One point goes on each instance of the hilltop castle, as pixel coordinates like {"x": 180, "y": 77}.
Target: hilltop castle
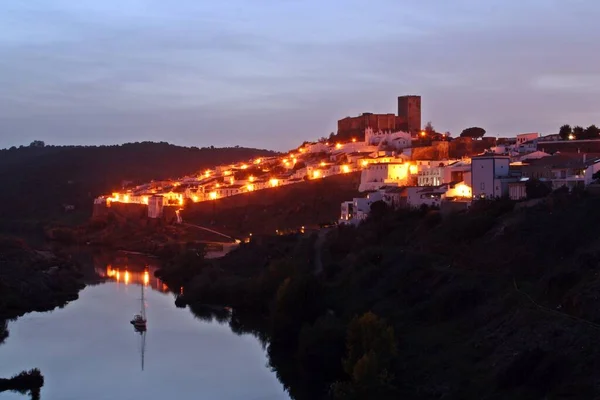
{"x": 407, "y": 120}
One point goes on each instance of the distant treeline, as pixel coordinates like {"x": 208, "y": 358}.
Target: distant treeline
{"x": 38, "y": 180}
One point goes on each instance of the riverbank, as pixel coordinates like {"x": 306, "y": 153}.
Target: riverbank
{"x": 32, "y": 280}
{"x": 410, "y": 304}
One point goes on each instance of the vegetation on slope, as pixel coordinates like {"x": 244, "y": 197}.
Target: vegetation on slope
{"x": 492, "y": 303}
{"x": 34, "y": 281}
{"x": 39, "y": 180}
{"x": 289, "y": 207}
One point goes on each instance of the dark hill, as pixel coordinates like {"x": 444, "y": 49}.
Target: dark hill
{"x": 493, "y": 303}
{"x": 310, "y": 204}
{"x": 38, "y": 180}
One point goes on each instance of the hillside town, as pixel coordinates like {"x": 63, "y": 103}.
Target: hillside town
{"x": 400, "y": 163}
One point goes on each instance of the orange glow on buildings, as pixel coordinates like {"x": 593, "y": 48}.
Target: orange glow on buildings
{"x": 338, "y": 145}
{"x": 353, "y": 140}
{"x": 244, "y": 166}
{"x": 127, "y": 277}
{"x": 146, "y": 278}
{"x": 316, "y": 174}
{"x": 322, "y": 164}
{"x": 207, "y": 173}
{"x": 195, "y": 199}
{"x": 231, "y": 180}
{"x": 423, "y": 133}
{"x": 463, "y": 190}
{"x": 250, "y": 187}
{"x": 257, "y": 161}
{"x": 212, "y": 195}
{"x": 251, "y": 178}
{"x": 413, "y": 169}
{"x": 364, "y": 163}
{"x": 345, "y": 169}
{"x": 274, "y": 182}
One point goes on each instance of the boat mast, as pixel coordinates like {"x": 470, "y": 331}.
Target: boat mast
{"x": 143, "y": 309}
{"x": 143, "y": 348}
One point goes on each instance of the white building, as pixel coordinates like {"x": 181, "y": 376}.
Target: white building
{"x": 317, "y": 147}
{"x": 374, "y": 176}
{"x": 399, "y": 140}
{"x": 352, "y": 212}
{"x": 534, "y": 155}
{"x": 490, "y": 175}
{"x": 418, "y": 196}
{"x": 155, "y": 206}
{"x": 458, "y": 171}
{"x": 527, "y": 137}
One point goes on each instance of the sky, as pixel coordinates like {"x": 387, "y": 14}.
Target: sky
{"x": 273, "y": 73}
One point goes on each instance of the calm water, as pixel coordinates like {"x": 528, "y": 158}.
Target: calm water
{"x": 89, "y": 350}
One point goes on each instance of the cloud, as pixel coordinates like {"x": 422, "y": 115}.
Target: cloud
{"x": 278, "y": 72}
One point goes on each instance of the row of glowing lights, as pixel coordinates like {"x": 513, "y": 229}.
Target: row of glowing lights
{"x": 112, "y": 273}
{"x": 273, "y": 182}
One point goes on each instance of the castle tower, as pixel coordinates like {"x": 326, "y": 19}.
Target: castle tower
{"x": 409, "y": 109}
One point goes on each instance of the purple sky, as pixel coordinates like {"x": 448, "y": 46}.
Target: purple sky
{"x": 272, "y": 73}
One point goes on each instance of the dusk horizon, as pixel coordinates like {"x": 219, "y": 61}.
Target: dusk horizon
{"x": 278, "y": 73}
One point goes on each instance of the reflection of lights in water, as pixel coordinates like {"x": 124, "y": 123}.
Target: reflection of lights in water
{"x": 135, "y": 277}
{"x": 110, "y": 272}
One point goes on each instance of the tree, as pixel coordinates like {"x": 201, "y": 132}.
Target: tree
{"x": 37, "y": 143}
{"x": 591, "y": 132}
{"x": 474, "y": 132}
{"x": 578, "y": 131}
{"x": 371, "y": 348}
{"x": 565, "y": 131}
{"x": 536, "y": 189}
{"x": 379, "y": 209}
{"x": 429, "y": 129}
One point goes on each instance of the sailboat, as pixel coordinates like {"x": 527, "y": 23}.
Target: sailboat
{"x": 139, "y": 320}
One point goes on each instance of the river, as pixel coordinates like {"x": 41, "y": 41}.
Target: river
{"x": 88, "y": 349}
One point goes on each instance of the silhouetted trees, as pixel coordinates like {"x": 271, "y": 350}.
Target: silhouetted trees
{"x": 37, "y": 180}
{"x": 473, "y": 132}
{"x": 578, "y": 132}
{"x": 429, "y": 129}
{"x": 371, "y": 348}
{"x": 565, "y": 132}
{"x": 536, "y": 189}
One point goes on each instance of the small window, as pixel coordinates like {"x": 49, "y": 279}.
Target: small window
{"x": 482, "y": 186}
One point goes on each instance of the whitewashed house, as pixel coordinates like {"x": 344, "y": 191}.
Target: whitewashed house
{"x": 374, "y": 176}
{"x": 490, "y": 175}
{"x": 418, "y": 196}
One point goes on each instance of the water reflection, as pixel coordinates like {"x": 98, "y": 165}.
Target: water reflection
{"x": 180, "y": 353}
{"x": 136, "y": 270}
